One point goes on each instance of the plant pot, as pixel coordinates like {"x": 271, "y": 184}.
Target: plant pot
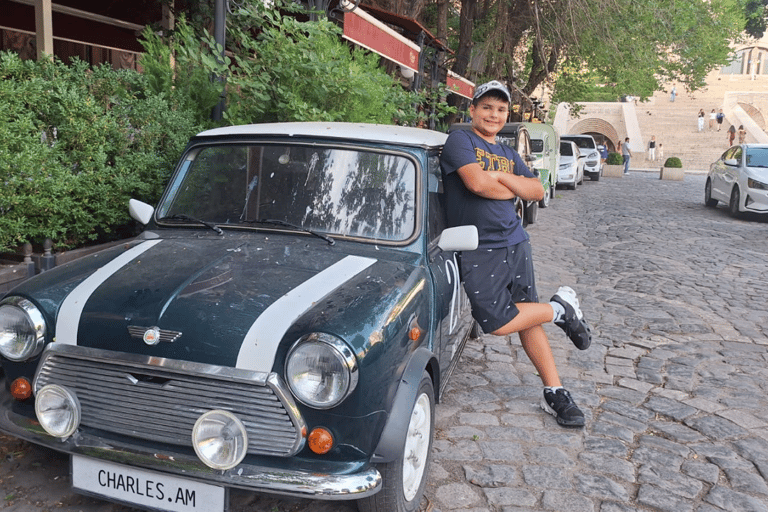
{"x": 671, "y": 173}
{"x": 613, "y": 171}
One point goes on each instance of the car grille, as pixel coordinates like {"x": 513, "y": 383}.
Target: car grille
{"x": 162, "y": 404}
{"x": 592, "y": 163}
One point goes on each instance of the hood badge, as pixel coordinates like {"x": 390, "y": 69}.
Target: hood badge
{"x": 153, "y": 335}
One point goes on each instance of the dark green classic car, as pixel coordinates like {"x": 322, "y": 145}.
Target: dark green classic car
{"x": 285, "y": 323}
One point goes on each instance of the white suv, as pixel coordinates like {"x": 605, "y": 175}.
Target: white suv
{"x": 593, "y": 166}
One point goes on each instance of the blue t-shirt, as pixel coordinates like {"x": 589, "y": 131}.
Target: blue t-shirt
{"x": 497, "y": 222}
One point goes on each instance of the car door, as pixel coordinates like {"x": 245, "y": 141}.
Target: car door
{"x": 452, "y": 312}
{"x": 722, "y": 180}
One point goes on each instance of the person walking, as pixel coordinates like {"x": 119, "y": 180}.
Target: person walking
{"x": 720, "y": 116}
{"x": 731, "y": 135}
{"x": 626, "y": 153}
{"x": 712, "y": 117}
{"x": 652, "y": 149}
{"x": 742, "y": 134}
{"x": 481, "y": 178}
{"x": 701, "y": 119}
{"x": 672, "y": 94}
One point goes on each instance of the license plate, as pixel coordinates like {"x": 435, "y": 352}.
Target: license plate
{"x": 157, "y": 491}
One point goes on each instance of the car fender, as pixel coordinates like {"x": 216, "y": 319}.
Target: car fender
{"x": 392, "y": 438}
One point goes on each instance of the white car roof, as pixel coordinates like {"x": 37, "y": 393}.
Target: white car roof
{"x": 391, "y": 134}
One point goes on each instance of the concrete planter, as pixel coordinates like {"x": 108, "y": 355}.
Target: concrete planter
{"x": 613, "y": 171}
{"x": 669, "y": 173}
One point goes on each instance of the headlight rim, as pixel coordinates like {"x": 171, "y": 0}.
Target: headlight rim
{"x": 347, "y": 357}
{"x": 241, "y": 428}
{"x": 37, "y": 322}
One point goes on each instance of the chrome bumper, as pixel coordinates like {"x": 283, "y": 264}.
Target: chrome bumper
{"x": 301, "y": 484}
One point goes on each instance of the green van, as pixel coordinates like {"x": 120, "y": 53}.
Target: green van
{"x": 545, "y": 148}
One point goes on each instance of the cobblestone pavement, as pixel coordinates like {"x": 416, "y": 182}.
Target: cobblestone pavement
{"x": 674, "y": 386}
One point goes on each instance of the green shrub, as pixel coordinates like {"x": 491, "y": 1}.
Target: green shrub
{"x": 614, "y": 159}
{"x": 673, "y": 163}
{"x": 75, "y": 144}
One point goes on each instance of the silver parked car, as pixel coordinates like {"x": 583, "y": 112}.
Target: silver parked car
{"x": 739, "y": 178}
{"x": 571, "y": 170}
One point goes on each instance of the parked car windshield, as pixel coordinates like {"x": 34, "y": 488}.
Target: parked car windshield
{"x": 583, "y": 142}
{"x": 757, "y": 157}
{"x": 346, "y": 192}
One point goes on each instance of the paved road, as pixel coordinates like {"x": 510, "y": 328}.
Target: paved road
{"x": 674, "y": 386}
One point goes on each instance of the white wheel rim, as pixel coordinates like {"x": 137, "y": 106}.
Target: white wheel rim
{"x": 416, "y": 447}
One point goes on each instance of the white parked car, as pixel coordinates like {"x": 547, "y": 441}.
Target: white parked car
{"x": 739, "y": 178}
{"x": 571, "y": 170}
{"x": 593, "y": 165}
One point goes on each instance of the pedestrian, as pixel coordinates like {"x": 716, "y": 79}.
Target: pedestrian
{"x": 672, "y": 94}
{"x": 742, "y": 134}
{"x": 731, "y": 135}
{"x": 652, "y": 149}
{"x": 712, "y": 117}
{"x": 626, "y": 153}
{"x": 480, "y": 179}
{"x": 701, "y": 119}
{"x": 720, "y": 116}
{"x": 661, "y": 152}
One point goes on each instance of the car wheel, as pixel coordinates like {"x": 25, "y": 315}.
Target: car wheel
{"x": 544, "y": 203}
{"x": 733, "y": 205}
{"x": 596, "y": 176}
{"x": 531, "y": 212}
{"x": 573, "y": 186}
{"x": 708, "y": 200}
{"x": 404, "y": 479}
{"x": 474, "y": 331}
{"x": 520, "y": 211}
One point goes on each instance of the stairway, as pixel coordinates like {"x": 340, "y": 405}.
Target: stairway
{"x": 675, "y": 123}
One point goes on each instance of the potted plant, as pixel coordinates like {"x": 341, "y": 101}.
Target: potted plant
{"x": 614, "y": 166}
{"x": 672, "y": 169}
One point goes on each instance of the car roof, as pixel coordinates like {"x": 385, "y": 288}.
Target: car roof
{"x": 577, "y": 135}
{"x": 363, "y": 132}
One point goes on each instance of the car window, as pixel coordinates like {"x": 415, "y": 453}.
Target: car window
{"x": 737, "y": 153}
{"x": 729, "y": 154}
{"x": 348, "y": 192}
{"x": 566, "y": 149}
{"x": 436, "y": 221}
{"x": 583, "y": 142}
{"x": 537, "y": 145}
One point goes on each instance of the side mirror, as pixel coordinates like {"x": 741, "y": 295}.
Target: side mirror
{"x": 140, "y": 211}
{"x": 460, "y": 238}
{"x": 732, "y": 162}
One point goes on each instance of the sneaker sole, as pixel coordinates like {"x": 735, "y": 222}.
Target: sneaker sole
{"x": 573, "y": 424}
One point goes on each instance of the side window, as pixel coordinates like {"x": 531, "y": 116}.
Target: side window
{"x": 729, "y": 154}
{"x": 737, "y": 153}
{"x": 436, "y": 221}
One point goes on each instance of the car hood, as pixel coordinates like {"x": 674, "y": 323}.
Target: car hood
{"x": 226, "y": 301}
{"x": 567, "y": 159}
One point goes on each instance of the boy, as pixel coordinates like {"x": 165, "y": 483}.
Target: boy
{"x": 481, "y": 179}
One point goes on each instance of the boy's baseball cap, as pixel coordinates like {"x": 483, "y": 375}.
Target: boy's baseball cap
{"x": 493, "y": 85}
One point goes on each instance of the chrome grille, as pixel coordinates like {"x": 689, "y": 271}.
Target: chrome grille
{"x": 162, "y": 404}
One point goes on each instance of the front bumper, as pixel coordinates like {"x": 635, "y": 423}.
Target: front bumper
{"x": 592, "y": 169}
{"x": 356, "y": 484}
{"x": 756, "y": 200}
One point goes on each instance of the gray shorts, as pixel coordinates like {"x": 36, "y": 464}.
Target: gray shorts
{"x": 495, "y": 280}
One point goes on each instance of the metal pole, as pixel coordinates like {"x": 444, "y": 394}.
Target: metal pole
{"x": 220, "y": 35}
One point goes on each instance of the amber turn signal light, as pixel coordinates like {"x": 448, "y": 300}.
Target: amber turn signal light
{"x": 320, "y": 441}
{"x": 21, "y": 389}
{"x": 414, "y": 334}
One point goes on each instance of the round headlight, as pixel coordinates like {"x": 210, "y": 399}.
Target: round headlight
{"x": 22, "y": 329}
{"x": 321, "y": 370}
{"x": 219, "y": 439}
{"x": 58, "y": 410}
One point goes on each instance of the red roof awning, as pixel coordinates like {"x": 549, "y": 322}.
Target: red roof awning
{"x": 363, "y": 29}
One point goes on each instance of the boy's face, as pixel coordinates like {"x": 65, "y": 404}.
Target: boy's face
{"x": 489, "y": 116}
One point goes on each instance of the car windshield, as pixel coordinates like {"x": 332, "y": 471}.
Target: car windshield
{"x": 347, "y": 192}
{"x": 566, "y": 149}
{"x": 583, "y": 142}
{"x": 757, "y": 157}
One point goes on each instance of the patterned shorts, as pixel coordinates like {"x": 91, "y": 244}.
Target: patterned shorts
{"x": 497, "y": 279}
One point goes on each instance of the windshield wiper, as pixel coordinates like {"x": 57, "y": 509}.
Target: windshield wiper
{"x": 181, "y": 216}
{"x": 277, "y": 222}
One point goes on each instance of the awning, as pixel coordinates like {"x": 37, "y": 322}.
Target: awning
{"x": 364, "y": 30}
{"x": 457, "y": 84}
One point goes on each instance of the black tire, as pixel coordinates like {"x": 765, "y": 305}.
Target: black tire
{"x": 733, "y": 204}
{"x": 708, "y": 200}
{"x": 474, "y": 331}
{"x": 392, "y": 496}
{"x": 520, "y": 211}
{"x": 531, "y": 212}
{"x": 548, "y": 195}
{"x": 596, "y": 176}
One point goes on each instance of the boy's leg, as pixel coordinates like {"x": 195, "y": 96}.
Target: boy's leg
{"x": 536, "y": 345}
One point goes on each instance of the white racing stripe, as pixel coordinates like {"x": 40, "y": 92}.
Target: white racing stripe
{"x": 260, "y": 344}
{"x": 68, "y": 319}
